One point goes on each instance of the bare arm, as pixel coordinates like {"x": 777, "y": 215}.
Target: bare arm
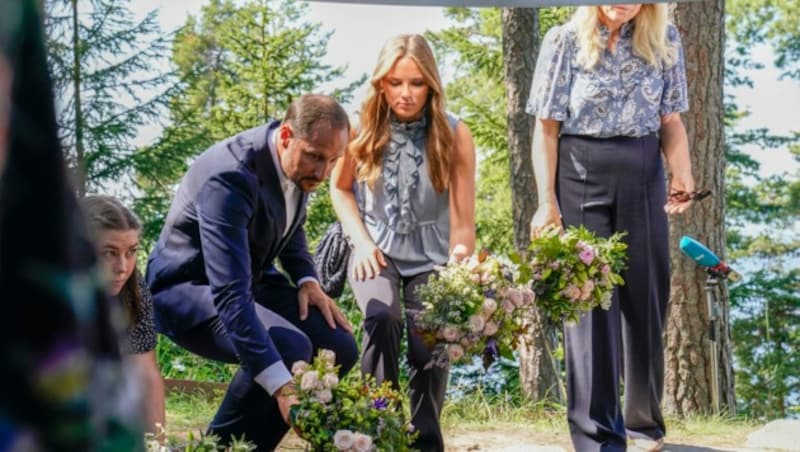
{"x": 462, "y": 195}
{"x": 368, "y": 258}
{"x": 675, "y": 146}
{"x": 153, "y": 384}
{"x": 544, "y": 154}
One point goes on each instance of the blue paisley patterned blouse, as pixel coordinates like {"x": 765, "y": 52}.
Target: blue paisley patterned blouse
{"x": 621, "y": 96}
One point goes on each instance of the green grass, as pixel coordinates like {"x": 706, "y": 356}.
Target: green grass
{"x": 479, "y": 419}
{"x": 710, "y": 430}
{"x": 190, "y": 412}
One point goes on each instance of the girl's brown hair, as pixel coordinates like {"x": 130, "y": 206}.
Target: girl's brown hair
{"x": 107, "y": 213}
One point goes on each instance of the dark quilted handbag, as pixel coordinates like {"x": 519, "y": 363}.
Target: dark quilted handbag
{"x": 330, "y": 260}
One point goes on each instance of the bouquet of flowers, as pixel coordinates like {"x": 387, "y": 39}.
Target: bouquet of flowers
{"x": 473, "y": 307}
{"x": 354, "y": 414}
{"x": 574, "y": 272}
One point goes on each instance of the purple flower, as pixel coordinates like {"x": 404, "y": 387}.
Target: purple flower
{"x": 491, "y": 348}
{"x": 605, "y": 269}
{"x": 380, "y": 403}
{"x": 587, "y": 255}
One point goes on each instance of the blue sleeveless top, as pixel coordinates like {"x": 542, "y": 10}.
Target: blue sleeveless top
{"x": 403, "y": 213}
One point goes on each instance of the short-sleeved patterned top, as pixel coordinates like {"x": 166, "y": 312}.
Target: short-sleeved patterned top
{"x": 621, "y": 96}
{"x": 141, "y": 336}
{"x": 405, "y": 216}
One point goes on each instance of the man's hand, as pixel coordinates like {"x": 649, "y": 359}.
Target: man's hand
{"x": 286, "y": 398}
{"x": 311, "y": 294}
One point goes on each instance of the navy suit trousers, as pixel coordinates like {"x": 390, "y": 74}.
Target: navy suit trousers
{"x": 247, "y": 409}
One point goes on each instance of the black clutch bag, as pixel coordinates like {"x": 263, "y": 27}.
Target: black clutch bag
{"x": 330, "y": 260}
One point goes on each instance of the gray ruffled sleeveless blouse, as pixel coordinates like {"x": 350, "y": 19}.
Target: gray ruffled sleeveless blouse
{"x": 404, "y": 214}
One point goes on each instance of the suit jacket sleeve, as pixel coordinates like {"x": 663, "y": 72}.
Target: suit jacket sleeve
{"x": 295, "y": 257}
{"x": 224, "y": 208}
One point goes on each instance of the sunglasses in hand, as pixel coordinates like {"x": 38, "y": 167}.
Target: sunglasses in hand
{"x": 682, "y": 196}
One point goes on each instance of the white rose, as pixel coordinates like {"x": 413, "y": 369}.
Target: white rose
{"x": 362, "y": 442}
{"x": 330, "y": 380}
{"x": 323, "y": 395}
{"x": 490, "y": 328}
{"x": 605, "y": 301}
{"x": 515, "y": 296}
{"x": 476, "y": 323}
{"x": 450, "y": 333}
{"x": 472, "y": 263}
{"x": 299, "y": 367}
{"x": 528, "y": 296}
{"x": 455, "y": 352}
{"x": 489, "y": 306}
{"x": 309, "y": 381}
{"x": 327, "y": 356}
{"x": 343, "y": 439}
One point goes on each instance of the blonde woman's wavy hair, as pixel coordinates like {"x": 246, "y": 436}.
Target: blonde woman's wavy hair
{"x": 649, "y": 35}
{"x": 367, "y": 147}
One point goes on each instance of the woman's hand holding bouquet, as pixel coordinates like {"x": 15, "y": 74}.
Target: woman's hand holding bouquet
{"x": 479, "y": 305}
{"x": 574, "y": 272}
{"x": 473, "y": 307}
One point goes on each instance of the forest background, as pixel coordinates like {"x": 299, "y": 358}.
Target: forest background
{"x": 142, "y": 89}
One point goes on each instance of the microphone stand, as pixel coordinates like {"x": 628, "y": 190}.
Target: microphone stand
{"x": 712, "y": 304}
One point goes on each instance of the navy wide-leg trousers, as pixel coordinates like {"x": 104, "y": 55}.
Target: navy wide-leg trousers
{"x": 612, "y": 185}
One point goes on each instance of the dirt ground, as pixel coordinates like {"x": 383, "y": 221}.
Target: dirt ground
{"x": 513, "y": 438}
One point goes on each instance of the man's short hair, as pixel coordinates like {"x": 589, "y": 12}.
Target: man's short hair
{"x": 310, "y": 109}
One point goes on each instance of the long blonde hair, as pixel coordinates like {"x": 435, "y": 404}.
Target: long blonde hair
{"x": 367, "y": 147}
{"x": 649, "y": 35}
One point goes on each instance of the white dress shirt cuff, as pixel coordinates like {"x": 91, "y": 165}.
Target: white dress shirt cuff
{"x": 273, "y": 377}
{"x": 306, "y": 279}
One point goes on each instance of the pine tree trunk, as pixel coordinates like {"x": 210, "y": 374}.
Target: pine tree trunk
{"x": 80, "y": 155}
{"x": 688, "y": 366}
{"x": 538, "y": 369}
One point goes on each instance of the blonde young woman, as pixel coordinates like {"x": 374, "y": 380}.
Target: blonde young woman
{"x": 607, "y": 94}
{"x": 412, "y": 169}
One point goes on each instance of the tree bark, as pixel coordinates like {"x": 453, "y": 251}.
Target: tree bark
{"x": 80, "y": 154}
{"x": 688, "y": 366}
{"x": 538, "y": 368}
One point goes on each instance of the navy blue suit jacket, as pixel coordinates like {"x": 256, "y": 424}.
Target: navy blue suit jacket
{"x": 223, "y": 231}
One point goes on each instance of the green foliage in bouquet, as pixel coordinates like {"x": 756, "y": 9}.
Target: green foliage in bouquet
{"x": 200, "y": 443}
{"x": 574, "y": 271}
{"x": 354, "y": 414}
{"x": 473, "y": 308}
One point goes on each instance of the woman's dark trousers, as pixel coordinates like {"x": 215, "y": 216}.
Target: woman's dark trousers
{"x": 617, "y": 185}
{"x": 382, "y": 300}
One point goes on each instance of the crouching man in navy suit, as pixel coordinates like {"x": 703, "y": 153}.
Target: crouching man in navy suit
{"x": 241, "y": 205}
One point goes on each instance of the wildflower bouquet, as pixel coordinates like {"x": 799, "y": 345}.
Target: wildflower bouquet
{"x": 574, "y": 272}
{"x": 354, "y": 414}
{"x": 473, "y": 307}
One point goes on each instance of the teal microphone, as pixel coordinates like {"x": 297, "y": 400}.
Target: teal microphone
{"x": 706, "y": 258}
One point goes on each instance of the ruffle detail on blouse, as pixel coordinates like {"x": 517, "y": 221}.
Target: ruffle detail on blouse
{"x": 402, "y": 159}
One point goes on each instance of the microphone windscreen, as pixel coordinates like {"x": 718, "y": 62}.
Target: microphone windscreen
{"x": 698, "y": 252}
